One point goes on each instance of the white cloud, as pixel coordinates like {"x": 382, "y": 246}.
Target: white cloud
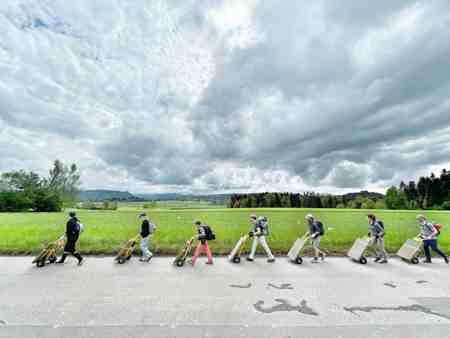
{"x": 226, "y": 95}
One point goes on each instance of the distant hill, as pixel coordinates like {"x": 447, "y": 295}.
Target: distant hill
{"x": 365, "y": 194}
{"x": 217, "y": 199}
{"x": 103, "y": 195}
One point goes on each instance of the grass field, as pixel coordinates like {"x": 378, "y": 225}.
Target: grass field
{"x": 26, "y": 233}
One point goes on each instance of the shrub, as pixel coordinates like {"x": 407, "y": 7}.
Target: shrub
{"x": 12, "y": 201}
{"x": 446, "y": 205}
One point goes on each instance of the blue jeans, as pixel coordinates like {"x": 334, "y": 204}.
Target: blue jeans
{"x": 427, "y": 243}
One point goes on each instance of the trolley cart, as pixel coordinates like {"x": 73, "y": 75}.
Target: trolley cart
{"x": 181, "y": 258}
{"x": 294, "y": 253}
{"x": 126, "y": 252}
{"x": 410, "y": 250}
{"x": 356, "y": 252}
{"x": 235, "y": 254}
{"x": 49, "y": 254}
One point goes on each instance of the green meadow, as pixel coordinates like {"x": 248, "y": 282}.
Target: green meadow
{"x": 106, "y": 231}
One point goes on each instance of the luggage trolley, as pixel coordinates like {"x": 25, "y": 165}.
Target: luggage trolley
{"x": 410, "y": 250}
{"x": 294, "y": 253}
{"x": 356, "y": 252}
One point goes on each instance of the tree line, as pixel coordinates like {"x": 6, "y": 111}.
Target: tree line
{"x": 27, "y": 191}
{"x": 430, "y": 192}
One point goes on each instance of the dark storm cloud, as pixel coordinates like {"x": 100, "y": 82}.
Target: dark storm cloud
{"x": 352, "y": 107}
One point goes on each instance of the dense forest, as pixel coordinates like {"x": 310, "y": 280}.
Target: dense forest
{"x": 431, "y": 192}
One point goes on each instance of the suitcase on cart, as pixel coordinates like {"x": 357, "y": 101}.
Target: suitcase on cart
{"x": 410, "y": 250}
{"x": 356, "y": 252}
{"x": 294, "y": 252}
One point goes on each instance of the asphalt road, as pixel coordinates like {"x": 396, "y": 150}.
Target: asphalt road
{"x": 338, "y": 298}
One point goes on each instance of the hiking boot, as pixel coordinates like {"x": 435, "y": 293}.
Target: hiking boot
{"x": 250, "y": 259}
{"x": 271, "y": 260}
{"x": 62, "y": 259}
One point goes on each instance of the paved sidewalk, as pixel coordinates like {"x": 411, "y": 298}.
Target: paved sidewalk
{"x": 338, "y": 298}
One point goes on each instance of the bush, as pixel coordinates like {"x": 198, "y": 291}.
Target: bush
{"x": 46, "y": 201}
{"x": 446, "y": 205}
{"x": 12, "y": 201}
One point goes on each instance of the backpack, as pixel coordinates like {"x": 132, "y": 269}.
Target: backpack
{"x": 264, "y": 225}
{"x": 321, "y": 228}
{"x": 209, "y": 234}
{"x": 438, "y": 227}
{"x": 79, "y": 228}
{"x": 381, "y": 223}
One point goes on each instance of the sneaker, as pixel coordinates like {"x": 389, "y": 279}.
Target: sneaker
{"x": 384, "y": 261}
{"x": 376, "y": 260}
{"x": 191, "y": 262}
{"x": 250, "y": 259}
{"x": 80, "y": 261}
{"x": 322, "y": 256}
{"x": 315, "y": 260}
{"x": 142, "y": 259}
{"x": 209, "y": 263}
{"x": 427, "y": 261}
{"x": 271, "y": 260}
{"x": 446, "y": 260}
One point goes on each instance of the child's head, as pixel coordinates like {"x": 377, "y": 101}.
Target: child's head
{"x": 143, "y": 216}
{"x": 253, "y": 218}
{"x": 197, "y": 223}
{"x": 421, "y": 219}
{"x": 309, "y": 218}
{"x": 371, "y": 218}
{"x": 72, "y": 214}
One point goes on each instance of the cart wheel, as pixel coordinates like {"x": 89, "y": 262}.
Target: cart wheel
{"x": 299, "y": 260}
{"x": 180, "y": 263}
{"x": 363, "y": 260}
{"x": 415, "y": 260}
{"x": 52, "y": 260}
{"x": 40, "y": 263}
{"x": 236, "y": 259}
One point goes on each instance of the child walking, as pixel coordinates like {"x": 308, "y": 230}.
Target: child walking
{"x": 429, "y": 234}
{"x": 259, "y": 232}
{"x": 376, "y": 234}
{"x": 204, "y": 234}
{"x": 147, "y": 230}
{"x": 73, "y": 230}
{"x": 316, "y": 231}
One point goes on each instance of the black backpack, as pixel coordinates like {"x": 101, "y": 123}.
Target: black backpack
{"x": 321, "y": 228}
{"x": 380, "y": 223}
{"x": 209, "y": 234}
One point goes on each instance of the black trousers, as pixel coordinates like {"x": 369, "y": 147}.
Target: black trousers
{"x": 71, "y": 243}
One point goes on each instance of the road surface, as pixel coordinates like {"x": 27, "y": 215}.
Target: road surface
{"x": 338, "y": 298}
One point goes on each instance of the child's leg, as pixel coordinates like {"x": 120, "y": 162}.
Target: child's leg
{"x": 197, "y": 252}
{"x": 208, "y": 252}
{"x": 144, "y": 247}
{"x": 263, "y": 242}
{"x": 426, "y": 249}
{"x": 435, "y": 248}
{"x": 254, "y": 245}
{"x": 381, "y": 251}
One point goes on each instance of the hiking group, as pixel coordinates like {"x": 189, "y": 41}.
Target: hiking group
{"x": 259, "y": 231}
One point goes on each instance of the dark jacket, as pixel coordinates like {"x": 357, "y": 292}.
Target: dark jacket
{"x": 145, "y": 228}
{"x": 72, "y": 228}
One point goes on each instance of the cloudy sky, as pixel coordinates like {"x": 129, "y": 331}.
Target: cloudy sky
{"x": 232, "y": 95}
